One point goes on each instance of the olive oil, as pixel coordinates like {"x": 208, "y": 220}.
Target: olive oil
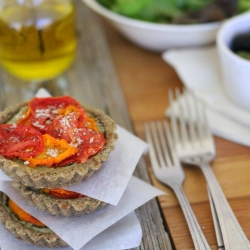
{"x": 37, "y": 42}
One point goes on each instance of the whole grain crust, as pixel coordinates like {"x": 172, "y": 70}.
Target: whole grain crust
{"x": 44, "y": 177}
{"x": 29, "y": 235}
{"x": 56, "y": 206}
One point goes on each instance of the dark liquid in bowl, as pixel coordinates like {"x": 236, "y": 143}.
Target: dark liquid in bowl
{"x": 241, "y": 45}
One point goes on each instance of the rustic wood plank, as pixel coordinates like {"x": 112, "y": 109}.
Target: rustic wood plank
{"x": 101, "y": 66}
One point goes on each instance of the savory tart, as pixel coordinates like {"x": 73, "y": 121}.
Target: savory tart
{"x": 59, "y": 201}
{"x": 24, "y": 226}
{"x": 54, "y": 142}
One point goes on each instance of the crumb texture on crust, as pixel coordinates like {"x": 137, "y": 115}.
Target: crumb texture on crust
{"x": 28, "y": 235}
{"x": 43, "y": 177}
{"x": 56, "y": 206}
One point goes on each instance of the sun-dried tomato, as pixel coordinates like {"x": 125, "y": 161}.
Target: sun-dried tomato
{"x": 88, "y": 143}
{"x": 64, "y": 127}
{"x": 20, "y": 141}
{"x": 46, "y": 110}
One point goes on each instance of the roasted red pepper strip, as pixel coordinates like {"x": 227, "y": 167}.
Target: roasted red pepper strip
{"x": 63, "y": 194}
{"x": 54, "y": 152}
{"x": 22, "y": 215}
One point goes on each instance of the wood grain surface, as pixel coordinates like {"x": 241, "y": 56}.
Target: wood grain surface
{"x": 145, "y": 79}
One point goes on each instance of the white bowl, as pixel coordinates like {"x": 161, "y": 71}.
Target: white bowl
{"x": 158, "y": 37}
{"x": 235, "y": 70}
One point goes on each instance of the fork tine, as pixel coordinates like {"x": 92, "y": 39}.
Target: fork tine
{"x": 157, "y": 144}
{"x": 179, "y": 133}
{"x": 201, "y": 119}
{"x": 183, "y": 130}
{"x": 152, "y": 152}
{"x": 206, "y": 128}
{"x": 190, "y": 118}
{"x": 165, "y": 149}
{"x": 171, "y": 145}
{"x": 172, "y": 116}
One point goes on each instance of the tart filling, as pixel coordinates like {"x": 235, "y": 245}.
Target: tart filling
{"x": 24, "y": 226}
{"x": 54, "y": 142}
{"x": 59, "y": 201}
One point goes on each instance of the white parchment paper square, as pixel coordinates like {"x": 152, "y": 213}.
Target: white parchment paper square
{"x": 124, "y": 234}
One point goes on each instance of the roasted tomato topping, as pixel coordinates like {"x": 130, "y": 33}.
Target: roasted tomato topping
{"x": 62, "y": 194}
{"x": 20, "y": 141}
{"x": 52, "y": 132}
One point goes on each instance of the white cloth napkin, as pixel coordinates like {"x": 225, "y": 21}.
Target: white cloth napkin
{"x": 199, "y": 70}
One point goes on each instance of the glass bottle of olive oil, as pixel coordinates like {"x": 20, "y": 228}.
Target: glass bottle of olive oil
{"x": 37, "y": 37}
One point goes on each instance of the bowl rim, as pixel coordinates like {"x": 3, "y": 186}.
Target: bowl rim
{"x": 94, "y": 5}
{"x": 220, "y": 37}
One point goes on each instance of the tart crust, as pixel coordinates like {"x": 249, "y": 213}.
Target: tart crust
{"x": 29, "y": 235}
{"x": 44, "y": 177}
{"x": 57, "y": 206}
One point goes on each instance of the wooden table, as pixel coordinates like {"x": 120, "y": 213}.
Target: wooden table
{"x": 145, "y": 79}
{"x": 130, "y": 84}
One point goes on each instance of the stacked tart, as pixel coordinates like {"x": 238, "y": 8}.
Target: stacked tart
{"x": 46, "y": 145}
{"x": 24, "y": 226}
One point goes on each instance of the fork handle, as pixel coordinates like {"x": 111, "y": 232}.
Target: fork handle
{"x": 198, "y": 237}
{"x": 233, "y": 236}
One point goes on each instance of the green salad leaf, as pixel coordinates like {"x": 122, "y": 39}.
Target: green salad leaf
{"x": 174, "y": 11}
{"x": 244, "y": 5}
{"x": 130, "y": 7}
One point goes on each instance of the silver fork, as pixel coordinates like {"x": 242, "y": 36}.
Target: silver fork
{"x": 217, "y": 227}
{"x": 168, "y": 170}
{"x": 194, "y": 145}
